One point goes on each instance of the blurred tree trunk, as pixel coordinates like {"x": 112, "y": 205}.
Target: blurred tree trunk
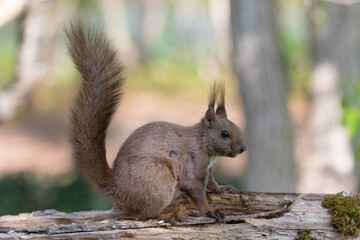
{"x": 263, "y": 90}
{"x": 29, "y": 67}
{"x": 219, "y": 16}
{"x": 150, "y": 24}
{"x": 114, "y": 12}
{"x": 40, "y": 25}
{"x": 328, "y": 164}
{"x": 349, "y": 64}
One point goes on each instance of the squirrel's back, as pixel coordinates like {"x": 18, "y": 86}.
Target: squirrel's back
{"x": 99, "y": 94}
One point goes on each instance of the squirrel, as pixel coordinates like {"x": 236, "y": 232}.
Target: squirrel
{"x": 159, "y": 160}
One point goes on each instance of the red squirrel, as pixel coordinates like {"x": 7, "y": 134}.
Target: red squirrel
{"x": 158, "y": 160}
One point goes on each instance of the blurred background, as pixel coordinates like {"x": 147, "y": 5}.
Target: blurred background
{"x": 292, "y": 71}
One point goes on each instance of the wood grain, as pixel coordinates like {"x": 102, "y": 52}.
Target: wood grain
{"x": 249, "y": 215}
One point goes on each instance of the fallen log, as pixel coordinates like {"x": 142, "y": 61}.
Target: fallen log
{"x": 249, "y": 215}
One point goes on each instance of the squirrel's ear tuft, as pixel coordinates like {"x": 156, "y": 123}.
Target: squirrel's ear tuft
{"x": 217, "y": 95}
{"x": 213, "y": 96}
{"x": 221, "y": 111}
{"x": 209, "y": 117}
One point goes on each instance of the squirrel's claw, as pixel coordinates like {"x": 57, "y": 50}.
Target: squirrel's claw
{"x": 217, "y": 214}
{"x": 228, "y": 189}
{"x": 173, "y": 219}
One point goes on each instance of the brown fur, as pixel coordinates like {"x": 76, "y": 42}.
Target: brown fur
{"x": 157, "y": 161}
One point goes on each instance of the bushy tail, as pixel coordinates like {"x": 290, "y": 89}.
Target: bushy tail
{"x": 99, "y": 94}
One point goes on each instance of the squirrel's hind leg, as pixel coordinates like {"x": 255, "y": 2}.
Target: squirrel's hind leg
{"x": 152, "y": 190}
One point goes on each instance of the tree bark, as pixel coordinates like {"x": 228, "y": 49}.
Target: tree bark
{"x": 263, "y": 89}
{"x": 248, "y": 216}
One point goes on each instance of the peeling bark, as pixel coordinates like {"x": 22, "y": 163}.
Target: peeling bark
{"x": 248, "y": 216}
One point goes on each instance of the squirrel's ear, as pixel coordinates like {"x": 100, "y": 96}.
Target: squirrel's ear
{"x": 209, "y": 117}
{"x": 221, "y": 112}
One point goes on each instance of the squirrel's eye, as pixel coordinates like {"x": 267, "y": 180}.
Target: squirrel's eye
{"x": 225, "y": 134}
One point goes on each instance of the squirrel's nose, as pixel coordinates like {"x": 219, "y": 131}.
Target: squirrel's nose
{"x": 243, "y": 148}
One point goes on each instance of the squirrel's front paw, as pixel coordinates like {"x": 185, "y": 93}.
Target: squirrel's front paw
{"x": 217, "y": 214}
{"x": 172, "y": 218}
{"x": 228, "y": 189}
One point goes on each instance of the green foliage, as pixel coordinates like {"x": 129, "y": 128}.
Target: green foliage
{"x": 9, "y": 52}
{"x": 294, "y": 45}
{"x": 351, "y": 119}
{"x": 304, "y": 235}
{"x": 345, "y": 212}
{"x": 23, "y": 193}
{"x": 351, "y": 114}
